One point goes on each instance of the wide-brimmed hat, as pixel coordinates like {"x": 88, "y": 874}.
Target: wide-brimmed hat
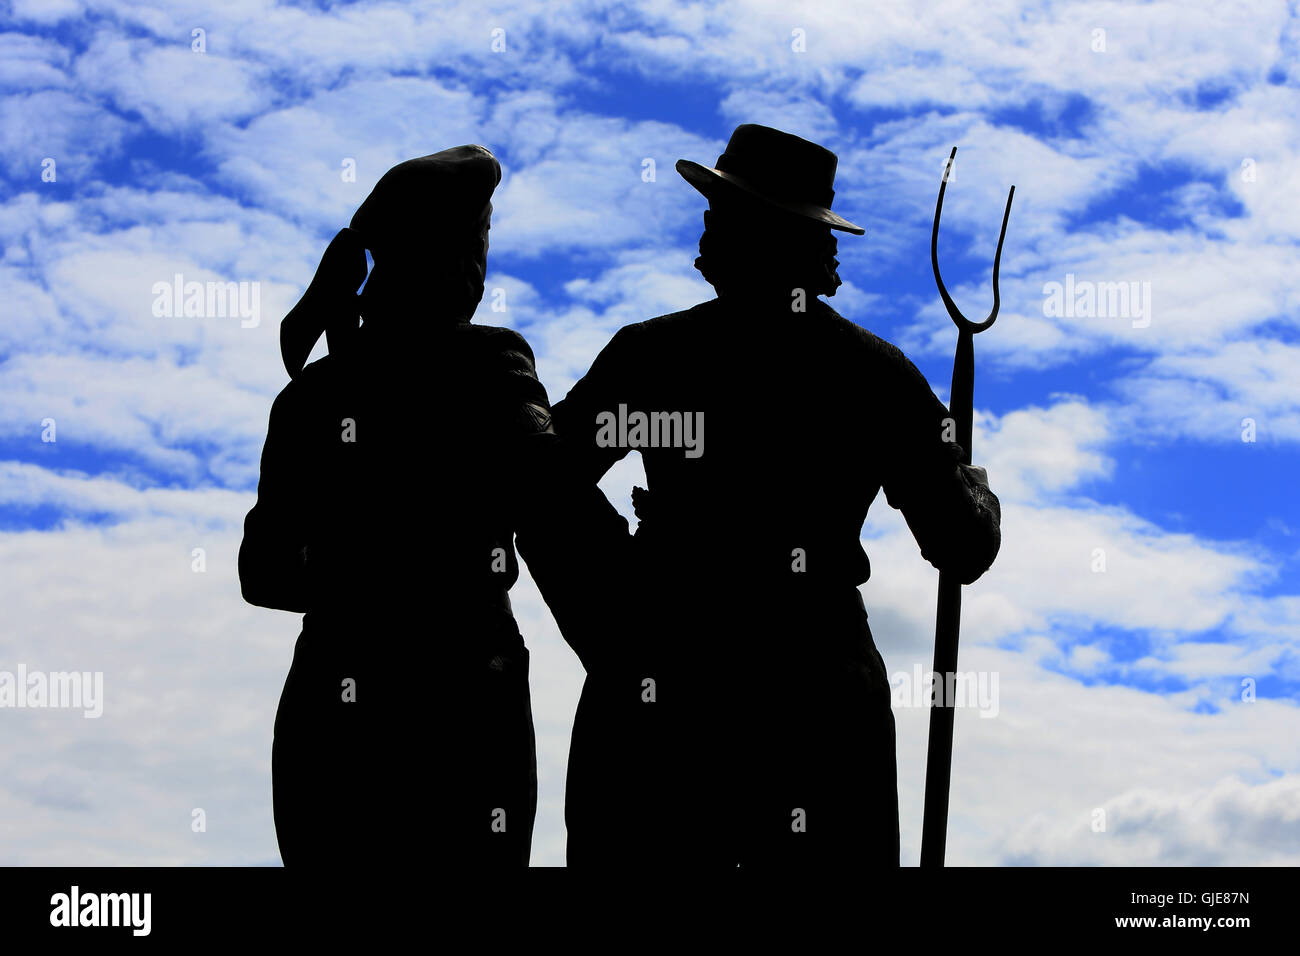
{"x": 776, "y": 168}
{"x": 421, "y": 206}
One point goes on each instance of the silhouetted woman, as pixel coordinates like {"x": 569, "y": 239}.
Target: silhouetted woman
{"x": 393, "y": 476}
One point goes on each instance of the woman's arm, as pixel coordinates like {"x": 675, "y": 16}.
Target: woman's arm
{"x": 273, "y": 554}
{"x": 576, "y": 543}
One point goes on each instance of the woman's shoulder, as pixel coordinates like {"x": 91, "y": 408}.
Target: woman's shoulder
{"x": 495, "y": 339}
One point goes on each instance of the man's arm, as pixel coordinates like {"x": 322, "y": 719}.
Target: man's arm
{"x": 272, "y": 556}
{"x": 949, "y": 508}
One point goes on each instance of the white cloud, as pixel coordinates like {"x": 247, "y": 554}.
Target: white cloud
{"x": 172, "y": 86}
{"x": 1231, "y": 824}
{"x": 54, "y": 124}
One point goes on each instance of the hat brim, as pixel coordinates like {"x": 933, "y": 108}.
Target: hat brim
{"x": 707, "y": 180}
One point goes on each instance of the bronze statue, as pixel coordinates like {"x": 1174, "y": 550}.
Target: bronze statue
{"x": 394, "y": 475}
{"x": 736, "y": 710}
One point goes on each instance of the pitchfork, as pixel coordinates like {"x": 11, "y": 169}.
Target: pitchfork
{"x": 938, "y": 766}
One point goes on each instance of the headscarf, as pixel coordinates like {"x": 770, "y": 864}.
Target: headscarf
{"x": 433, "y": 206}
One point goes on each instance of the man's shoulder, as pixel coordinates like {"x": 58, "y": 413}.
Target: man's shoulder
{"x": 670, "y": 324}
{"x": 849, "y": 340}
{"x": 863, "y": 342}
{"x": 667, "y": 331}
{"x": 694, "y": 320}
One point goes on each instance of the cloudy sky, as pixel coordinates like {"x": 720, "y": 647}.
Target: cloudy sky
{"x": 1144, "y": 615}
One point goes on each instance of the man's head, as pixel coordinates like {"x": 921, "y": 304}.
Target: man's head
{"x": 769, "y": 224}
{"x": 765, "y": 253}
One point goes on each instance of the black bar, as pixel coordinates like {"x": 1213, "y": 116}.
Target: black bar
{"x": 428, "y": 906}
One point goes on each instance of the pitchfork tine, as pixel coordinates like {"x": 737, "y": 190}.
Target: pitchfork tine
{"x": 953, "y": 311}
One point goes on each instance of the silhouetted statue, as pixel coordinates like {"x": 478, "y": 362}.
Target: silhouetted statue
{"x": 738, "y": 712}
{"x": 395, "y": 472}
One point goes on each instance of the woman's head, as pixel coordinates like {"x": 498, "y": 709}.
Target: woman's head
{"x": 442, "y": 273}
{"x": 426, "y": 225}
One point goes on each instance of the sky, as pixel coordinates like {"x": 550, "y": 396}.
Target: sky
{"x": 1143, "y": 617}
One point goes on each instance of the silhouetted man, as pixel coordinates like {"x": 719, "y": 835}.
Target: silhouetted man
{"x": 739, "y": 712}
{"x": 395, "y": 472}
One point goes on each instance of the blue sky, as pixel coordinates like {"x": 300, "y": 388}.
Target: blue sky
{"x": 1149, "y": 143}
